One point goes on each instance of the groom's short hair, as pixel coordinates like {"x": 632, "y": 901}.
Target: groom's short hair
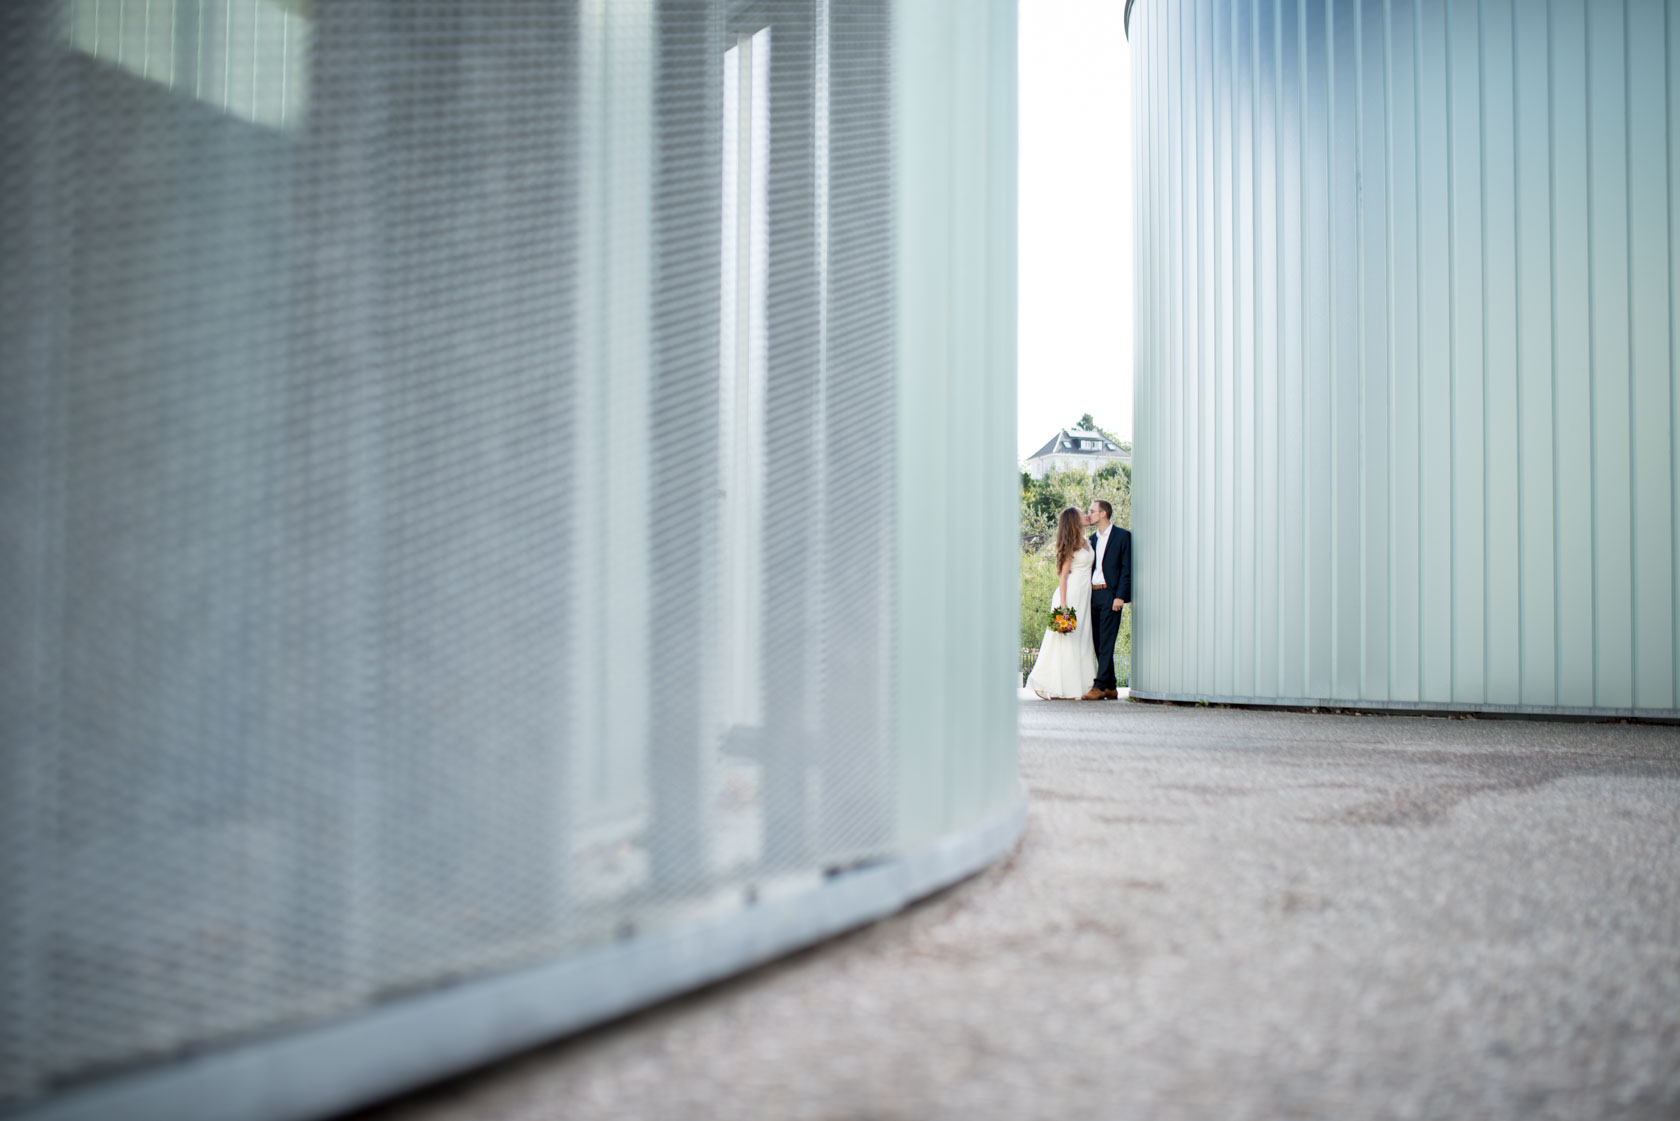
{"x": 1108, "y": 510}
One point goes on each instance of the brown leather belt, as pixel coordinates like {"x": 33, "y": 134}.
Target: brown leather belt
{"x": 1099, "y": 587}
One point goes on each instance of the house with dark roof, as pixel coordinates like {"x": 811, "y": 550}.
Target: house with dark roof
{"x": 1076, "y": 449}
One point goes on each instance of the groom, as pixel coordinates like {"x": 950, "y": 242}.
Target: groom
{"x": 1111, "y": 590}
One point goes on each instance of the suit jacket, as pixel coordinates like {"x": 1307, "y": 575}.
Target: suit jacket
{"x": 1116, "y": 563}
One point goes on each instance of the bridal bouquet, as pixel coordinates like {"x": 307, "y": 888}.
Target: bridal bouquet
{"x": 1063, "y": 620}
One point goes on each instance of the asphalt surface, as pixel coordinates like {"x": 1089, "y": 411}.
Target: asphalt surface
{"x": 1216, "y": 913}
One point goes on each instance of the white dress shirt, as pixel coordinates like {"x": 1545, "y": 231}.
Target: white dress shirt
{"x": 1102, "y": 543}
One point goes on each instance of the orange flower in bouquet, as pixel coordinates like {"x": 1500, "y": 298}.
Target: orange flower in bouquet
{"x": 1063, "y": 620}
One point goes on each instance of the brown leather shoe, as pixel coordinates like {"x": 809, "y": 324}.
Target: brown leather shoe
{"x": 1112, "y": 694}
{"x": 1094, "y": 695}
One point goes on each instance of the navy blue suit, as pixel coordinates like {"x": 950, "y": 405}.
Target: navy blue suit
{"x": 1116, "y": 573}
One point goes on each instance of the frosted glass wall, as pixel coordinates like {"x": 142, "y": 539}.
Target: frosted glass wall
{"x": 1405, "y": 366}
{"x": 507, "y": 514}
{"x": 955, "y": 221}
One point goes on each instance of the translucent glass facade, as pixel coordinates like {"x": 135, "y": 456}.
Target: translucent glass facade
{"x": 1406, "y": 388}
{"x": 508, "y": 514}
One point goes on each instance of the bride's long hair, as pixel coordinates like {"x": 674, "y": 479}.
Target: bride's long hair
{"x": 1070, "y": 535}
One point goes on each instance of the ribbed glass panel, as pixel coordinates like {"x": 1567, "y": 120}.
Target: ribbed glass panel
{"x": 955, "y": 220}
{"x": 1406, "y": 391}
{"x": 481, "y": 481}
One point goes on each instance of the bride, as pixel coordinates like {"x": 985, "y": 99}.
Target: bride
{"x": 1067, "y": 663}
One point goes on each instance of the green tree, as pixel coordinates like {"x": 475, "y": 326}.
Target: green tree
{"x": 1090, "y": 425}
{"x": 1038, "y": 584}
{"x": 1042, "y": 500}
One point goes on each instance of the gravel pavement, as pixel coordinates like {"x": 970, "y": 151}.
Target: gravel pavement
{"x": 1216, "y": 913}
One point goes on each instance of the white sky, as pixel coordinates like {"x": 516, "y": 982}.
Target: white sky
{"x": 1075, "y": 318}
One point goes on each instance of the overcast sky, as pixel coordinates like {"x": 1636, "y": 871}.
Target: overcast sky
{"x": 1076, "y": 218}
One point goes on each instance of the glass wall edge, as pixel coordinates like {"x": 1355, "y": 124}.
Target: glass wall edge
{"x": 1415, "y": 708}
{"x": 338, "y": 1067}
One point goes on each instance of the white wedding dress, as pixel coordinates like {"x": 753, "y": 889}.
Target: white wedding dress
{"x": 1067, "y": 663}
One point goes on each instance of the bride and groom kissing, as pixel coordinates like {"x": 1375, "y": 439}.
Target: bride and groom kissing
{"x": 1094, "y": 578}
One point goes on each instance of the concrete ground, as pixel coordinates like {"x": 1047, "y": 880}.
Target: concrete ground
{"x": 1224, "y": 914}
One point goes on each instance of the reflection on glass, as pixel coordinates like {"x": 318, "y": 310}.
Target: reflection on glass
{"x": 737, "y": 818}
{"x": 741, "y": 384}
{"x": 249, "y": 58}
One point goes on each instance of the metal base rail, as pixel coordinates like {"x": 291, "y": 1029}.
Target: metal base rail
{"x": 1418, "y": 708}
{"x": 332, "y": 1068}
